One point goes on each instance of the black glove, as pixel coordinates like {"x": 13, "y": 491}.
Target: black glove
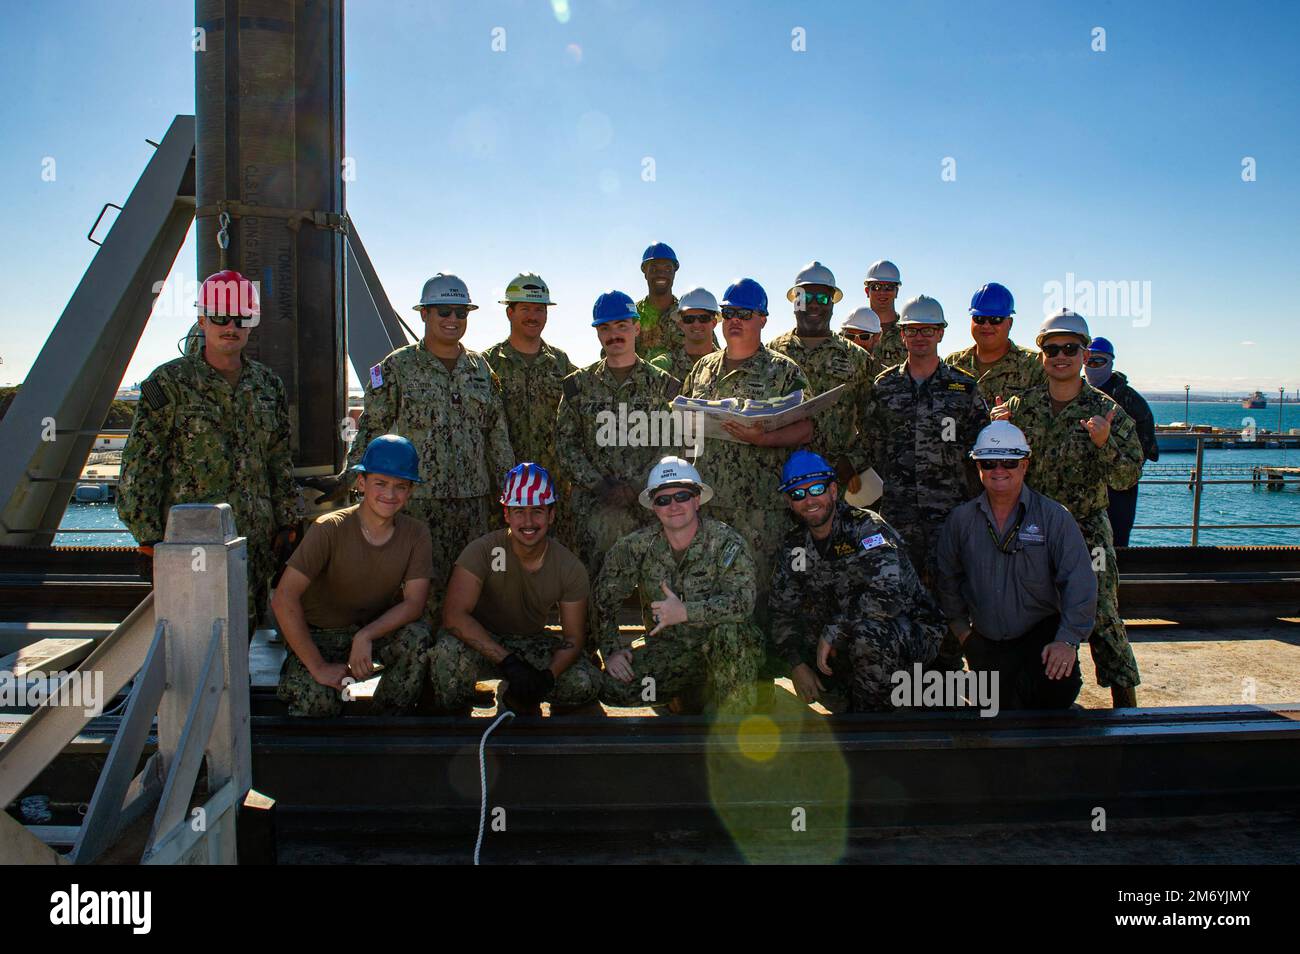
{"x": 334, "y": 489}
{"x": 530, "y": 686}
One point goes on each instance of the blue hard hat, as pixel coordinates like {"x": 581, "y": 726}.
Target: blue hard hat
{"x": 993, "y": 299}
{"x": 613, "y": 306}
{"x": 805, "y": 466}
{"x": 659, "y": 250}
{"x": 1102, "y": 345}
{"x": 392, "y": 455}
{"x": 745, "y": 293}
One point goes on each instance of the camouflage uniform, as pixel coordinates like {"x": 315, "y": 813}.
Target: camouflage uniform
{"x": 593, "y": 454}
{"x": 715, "y": 652}
{"x": 404, "y": 653}
{"x": 197, "y": 439}
{"x": 1065, "y": 465}
{"x": 530, "y": 393}
{"x": 676, "y": 362}
{"x": 837, "y": 431}
{"x": 745, "y": 477}
{"x": 859, "y": 592}
{"x": 455, "y": 667}
{"x": 458, "y": 426}
{"x": 890, "y": 349}
{"x": 659, "y": 330}
{"x": 1014, "y": 373}
{"x": 925, "y": 475}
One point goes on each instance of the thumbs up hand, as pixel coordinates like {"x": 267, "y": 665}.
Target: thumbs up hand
{"x": 1098, "y": 427}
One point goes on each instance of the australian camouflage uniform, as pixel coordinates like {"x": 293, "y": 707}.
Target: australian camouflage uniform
{"x": 196, "y": 438}
{"x": 712, "y": 658}
{"x": 607, "y": 437}
{"x": 1014, "y": 373}
{"x": 890, "y": 349}
{"x": 457, "y": 423}
{"x": 858, "y": 591}
{"x": 455, "y": 667}
{"x": 745, "y": 477}
{"x": 1065, "y": 465}
{"x": 835, "y": 361}
{"x": 404, "y": 653}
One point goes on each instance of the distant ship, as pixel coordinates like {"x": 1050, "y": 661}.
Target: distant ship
{"x": 1256, "y": 400}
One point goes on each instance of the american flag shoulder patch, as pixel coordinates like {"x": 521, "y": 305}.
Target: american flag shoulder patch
{"x": 377, "y": 376}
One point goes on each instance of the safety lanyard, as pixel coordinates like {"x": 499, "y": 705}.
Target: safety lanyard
{"x": 1005, "y": 545}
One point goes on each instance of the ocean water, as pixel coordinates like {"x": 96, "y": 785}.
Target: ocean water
{"x": 1157, "y": 504}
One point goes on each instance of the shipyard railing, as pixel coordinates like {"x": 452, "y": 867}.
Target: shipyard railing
{"x": 1199, "y": 476}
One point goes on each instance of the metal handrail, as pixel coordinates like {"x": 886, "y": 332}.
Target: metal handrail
{"x": 1196, "y": 482}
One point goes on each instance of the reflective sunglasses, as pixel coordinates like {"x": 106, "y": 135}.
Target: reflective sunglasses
{"x": 680, "y": 497}
{"x": 924, "y": 331}
{"x": 882, "y": 286}
{"x": 993, "y": 320}
{"x": 702, "y": 319}
{"x": 744, "y": 314}
{"x": 1098, "y": 361}
{"x": 445, "y": 311}
{"x": 816, "y": 490}
{"x": 1069, "y": 350}
{"x": 1000, "y": 462}
{"x": 820, "y": 298}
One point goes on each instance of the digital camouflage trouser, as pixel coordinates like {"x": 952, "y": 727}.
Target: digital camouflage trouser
{"x": 1111, "y": 653}
{"x": 404, "y": 653}
{"x": 719, "y": 662}
{"x": 455, "y": 667}
{"x": 454, "y": 522}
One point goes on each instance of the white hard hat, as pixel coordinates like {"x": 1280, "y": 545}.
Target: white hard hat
{"x": 444, "y": 289}
{"x": 699, "y": 299}
{"x": 669, "y": 471}
{"x": 1064, "y": 322}
{"x": 863, "y": 319}
{"x": 1000, "y": 440}
{"x": 884, "y": 271}
{"x": 815, "y": 273}
{"x": 922, "y": 310}
{"x": 527, "y": 287}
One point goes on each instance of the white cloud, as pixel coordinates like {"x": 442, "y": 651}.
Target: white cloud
{"x": 1248, "y": 344}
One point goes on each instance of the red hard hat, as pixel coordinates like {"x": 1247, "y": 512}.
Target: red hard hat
{"x": 228, "y": 294}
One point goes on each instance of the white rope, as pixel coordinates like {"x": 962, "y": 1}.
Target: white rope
{"x": 482, "y": 780}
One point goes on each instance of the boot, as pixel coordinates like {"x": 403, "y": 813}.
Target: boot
{"x": 1123, "y": 697}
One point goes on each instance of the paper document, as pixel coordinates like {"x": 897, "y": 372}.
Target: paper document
{"x": 771, "y": 413}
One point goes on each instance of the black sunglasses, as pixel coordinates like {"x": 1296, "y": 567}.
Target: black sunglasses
{"x": 692, "y": 319}
{"x": 446, "y": 311}
{"x": 816, "y": 490}
{"x": 680, "y": 497}
{"x": 1069, "y": 350}
{"x": 744, "y": 314}
{"x": 1004, "y": 463}
{"x": 881, "y": 286}
{"x": 993, "y": 320}
{"x": 240, "y": 321}
{"x": 1098, "y": 361}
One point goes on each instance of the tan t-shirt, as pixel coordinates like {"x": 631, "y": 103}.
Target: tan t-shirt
{"x": 352, "y": 581}
{"x": 514, "y": 601}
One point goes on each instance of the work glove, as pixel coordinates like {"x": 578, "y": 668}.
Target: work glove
{"x": 334, "y": 488}
{"x": 527, "y": 684}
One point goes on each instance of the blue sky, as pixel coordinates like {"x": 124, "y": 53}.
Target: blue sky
{"x": 1117, "y": 166}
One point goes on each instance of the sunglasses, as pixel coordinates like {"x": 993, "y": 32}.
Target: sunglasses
{"x": 993, "y": 320}
{"x": 881, "y": 286}
{"x": 912, "y": 331}
{"x": 240, "y": 322}
{"x": 1000, "y": 462}
{"x": 702, "y": 319}
{"x": 820, "y": 298}
{"x": 680, "y": 497}
{"x": 446, "y": 311}
{"x": 744, "y": 314}
{"x": 1069, "y": 350}
{"x": 860, "y": 335}
{"x": 816, "y": 490}
{"x": 1100, "y": 361}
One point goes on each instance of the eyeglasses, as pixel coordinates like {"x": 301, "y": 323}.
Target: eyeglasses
{"x": 820, "y": 298}
{"x": 1069, "y": 350}
{"x": 1000, "y": 462}
{"x": 744, "y": 314}
{"x": 860, "y": 335}
{"x": 1098, "y": 361}
{"x": 702, "y": 319}
{"x": 924, "y": 331}
{"x": 993, "y": 320}
{"x": 816, "y": 490}
{"x": 882, "y": 286}
{"x": 446, "y": 311}
{"x": 680, "y": 497}
{"x": 240, "y": 321}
